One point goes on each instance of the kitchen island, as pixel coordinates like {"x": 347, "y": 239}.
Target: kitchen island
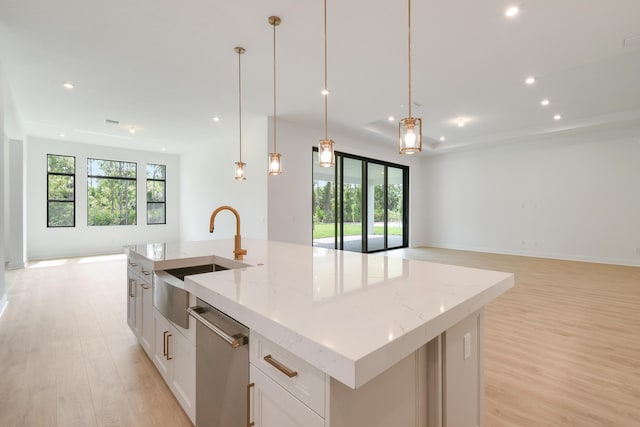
{"x": 390, "y": 341}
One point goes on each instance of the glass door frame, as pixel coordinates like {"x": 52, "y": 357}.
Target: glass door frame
{"x": 339, "y": 199}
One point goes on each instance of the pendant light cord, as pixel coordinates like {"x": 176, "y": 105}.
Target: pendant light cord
{"x": 409, "y": 26}
{"x": 326, "y": 88}
{"x": 274, "y": 89}
{"x": 240, "y": 102}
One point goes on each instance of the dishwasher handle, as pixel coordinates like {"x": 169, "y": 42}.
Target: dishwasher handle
{"x": 234, "y": 341}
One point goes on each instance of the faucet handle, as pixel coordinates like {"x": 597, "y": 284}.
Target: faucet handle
{"x": 239, "y": 253}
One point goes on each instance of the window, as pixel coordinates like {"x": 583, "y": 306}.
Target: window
{"x": 360, "y": 205}
{"x": 111, "y": 192}
{"x": 61, "y": 191}
{"x": 156, "y": 194}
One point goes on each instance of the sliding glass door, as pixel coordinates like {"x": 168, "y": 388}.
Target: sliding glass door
{"x": 360, "y": 205}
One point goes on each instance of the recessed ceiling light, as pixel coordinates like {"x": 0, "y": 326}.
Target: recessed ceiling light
{"x": 461, "y": 123}
{"x": 391, "y": 118}
{"x": 442, "y": 138}
{"x": 132, "y": 129}
{"x": 557, "y": 117}
{"x": 62, "y": 135}
{"x": 325, "y": 92}
{"x": 512, "y": 11}
{"x": 544, "y": 102}
{"x": 164, "y": 148}
{"x": 68, "y": 85}
{"x": 216, "y": 119}
{"x": 530, "y": 80}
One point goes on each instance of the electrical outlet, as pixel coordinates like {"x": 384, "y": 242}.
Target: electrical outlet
{"x": 467, "y": 345}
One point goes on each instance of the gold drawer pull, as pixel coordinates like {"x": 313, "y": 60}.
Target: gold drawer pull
{"x": 165, "y": 352}
{"x": 168, "y": 351}
{"x": 249, "y": 422}
{"x": 280, "y": 367}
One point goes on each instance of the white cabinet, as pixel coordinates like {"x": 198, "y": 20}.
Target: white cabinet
{"x": 288, "y": 392}
{"x": 140, "y": 303}
{"x": 132, "y": 302}
{"x": 145, "y": 328}
{"x": 175, "y": 358}
{"x": 166, "y": 344}
{"x": 293, "y": 393}
{"x": 273, "y": 406}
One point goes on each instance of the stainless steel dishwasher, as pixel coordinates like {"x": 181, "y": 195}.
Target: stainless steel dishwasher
{"x": 222, "y": 368}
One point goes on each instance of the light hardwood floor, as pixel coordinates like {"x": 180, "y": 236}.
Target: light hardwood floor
{"x": 562, "y": 347}
{"x": 67, "y": 356}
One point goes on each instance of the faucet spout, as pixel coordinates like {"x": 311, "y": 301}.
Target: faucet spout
{"x": 238, "y": 252}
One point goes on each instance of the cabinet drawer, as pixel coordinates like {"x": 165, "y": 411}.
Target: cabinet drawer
{"x": 274, "y": 407}
{"x": 133, "y": 264}
{"x": 146, "y": 273}
{"x": 308, "y": 383}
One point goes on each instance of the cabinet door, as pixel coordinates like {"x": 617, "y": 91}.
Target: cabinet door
{"x": 132, "y": 289}
{"x": 161, "y": 329}
{"x": 273, "y": 406}
{"x": 146, "y": 325}
{"x": 183, "y": 355}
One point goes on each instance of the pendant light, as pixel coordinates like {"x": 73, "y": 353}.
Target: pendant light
{"x": 239, "y": 169}
{"x": 275, "y": 160}
{"x": 325, "y": 148}
{"x": 410, "y": 128}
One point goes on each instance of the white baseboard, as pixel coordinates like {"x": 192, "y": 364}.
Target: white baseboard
{"x": 547, "y": 255}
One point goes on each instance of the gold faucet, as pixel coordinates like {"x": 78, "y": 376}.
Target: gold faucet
{"x": 237, "y": 250}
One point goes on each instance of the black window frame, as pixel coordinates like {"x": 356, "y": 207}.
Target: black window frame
{"x": 119, "y": 178}
{"x": 339, "y": 193}
{"x": 164, "y": 195}
{"x": 73, "y": 175}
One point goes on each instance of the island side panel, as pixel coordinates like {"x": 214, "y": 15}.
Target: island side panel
{"x": 463, "y": 373}
{"x": 396, "y": 397}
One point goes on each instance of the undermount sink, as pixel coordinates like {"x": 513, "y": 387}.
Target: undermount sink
{"x": 169, "y": 294}
{"x": 180, "y": 273}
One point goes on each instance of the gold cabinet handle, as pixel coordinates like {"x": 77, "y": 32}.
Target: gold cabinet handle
{"x": 168, "y": 351}
{"x": 249, "y": 422}
{"x": 279, "y": 366}
{"x": 164, "y": 344}
{"x": 132, "y": 288}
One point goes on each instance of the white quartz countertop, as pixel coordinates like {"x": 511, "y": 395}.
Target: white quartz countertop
{"x": 350, "y": 315}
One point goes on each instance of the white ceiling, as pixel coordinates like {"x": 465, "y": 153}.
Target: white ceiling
{"x": 168, "y": 67}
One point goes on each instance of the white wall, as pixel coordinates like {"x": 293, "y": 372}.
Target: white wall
{"x": 208, "y": 182}
{"x": 17, "y": 231}
{"x": 3, "y": 209}
{"x": 290, "y": 216}
{"x": 43, "y": 242}
{"x": 575, "y": 198}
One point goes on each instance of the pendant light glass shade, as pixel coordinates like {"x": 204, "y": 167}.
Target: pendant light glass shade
{"x": 410, "y": 135}
{"x": 239, "y": 171}
{"x": 275, "y": 164}
{"x": 239, "y": 165}
{"x": 275, "y": 160}
{"x": 410, "y": 128}
{"x": 326, "y": 153}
